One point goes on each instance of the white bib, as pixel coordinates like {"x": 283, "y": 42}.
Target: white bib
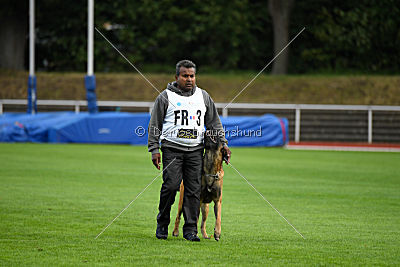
{"x": 184, "y": 123}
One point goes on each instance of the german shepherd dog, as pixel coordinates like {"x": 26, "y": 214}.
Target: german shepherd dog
{"x": 211, "y": 186}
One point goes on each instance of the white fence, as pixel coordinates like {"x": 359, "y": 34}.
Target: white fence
{"x": 297, "y": 108}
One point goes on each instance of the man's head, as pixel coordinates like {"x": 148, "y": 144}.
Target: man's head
{"x": 185, "y": 75}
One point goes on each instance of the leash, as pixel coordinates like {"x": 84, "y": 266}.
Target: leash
{"x": 255, "y": 189}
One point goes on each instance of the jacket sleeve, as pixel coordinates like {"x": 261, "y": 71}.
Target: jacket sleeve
{"x": 156, "y": 122}
{"x": 212, "y": 120}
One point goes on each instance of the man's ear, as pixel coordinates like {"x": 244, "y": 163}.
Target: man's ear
{"x": 176, "y": 77}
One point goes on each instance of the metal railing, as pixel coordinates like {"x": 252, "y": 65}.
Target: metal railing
{"x": 297, "y": 108}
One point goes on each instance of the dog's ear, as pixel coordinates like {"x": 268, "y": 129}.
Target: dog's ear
{"x": 212, "y": 136}
{"x": 213, "y": 139}
{"x": 210, "y": 139}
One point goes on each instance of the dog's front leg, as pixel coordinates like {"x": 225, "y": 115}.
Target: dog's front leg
{"x": 178, "y": 216}
{"x": 217, "y": 211}
{"x": 204, "y": 214}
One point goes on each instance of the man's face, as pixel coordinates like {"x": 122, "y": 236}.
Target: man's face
{"x": 186, "y": 79}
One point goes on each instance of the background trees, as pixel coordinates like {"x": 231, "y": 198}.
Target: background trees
{"x": 341, "y": 36}
{"x": 13, "y": 30}
{"x": 280, "y": 14}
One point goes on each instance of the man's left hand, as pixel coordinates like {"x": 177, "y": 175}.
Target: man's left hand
{"x": 228, "y": 153}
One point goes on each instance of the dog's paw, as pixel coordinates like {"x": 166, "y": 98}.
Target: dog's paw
{"x": 205, "y": 236}
{"x": 175, "y": 233}
{"x": 217, "y": 236}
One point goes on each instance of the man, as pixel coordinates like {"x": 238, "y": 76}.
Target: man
{"x": 178, "y": 119}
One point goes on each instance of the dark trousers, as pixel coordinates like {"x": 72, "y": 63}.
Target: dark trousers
{"x": 187, "y": 166}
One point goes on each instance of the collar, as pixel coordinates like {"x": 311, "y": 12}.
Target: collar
{"x": 215, "y": 176}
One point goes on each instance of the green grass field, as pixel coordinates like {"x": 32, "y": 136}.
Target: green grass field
{"x": 55, "y": 199}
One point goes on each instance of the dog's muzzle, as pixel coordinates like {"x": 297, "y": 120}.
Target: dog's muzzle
{"x": 211, "y": 178}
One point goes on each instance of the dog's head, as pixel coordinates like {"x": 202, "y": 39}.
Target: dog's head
{"x": 214, "y": 145}
{"x": 212, "y": 140}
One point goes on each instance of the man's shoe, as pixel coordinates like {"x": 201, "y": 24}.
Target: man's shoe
{"x": 192, "y": 237}
{"x": 162, "y": 232}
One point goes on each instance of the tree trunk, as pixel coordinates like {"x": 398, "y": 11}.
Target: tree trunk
{"x": 280, "y": 13}
{"x": 13, "y": 34}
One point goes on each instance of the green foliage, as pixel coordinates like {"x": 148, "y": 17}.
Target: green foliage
{"x": 162, "y": 32}
{"x": 215, "y": 34}
{"x": 350, "y": 36}
{"x": 340, "y": 36}
{"x": 55, "y": 199}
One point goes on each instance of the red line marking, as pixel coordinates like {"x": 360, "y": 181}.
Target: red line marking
{"x": 345, "y": 144}
{"x": 283, "y": 130}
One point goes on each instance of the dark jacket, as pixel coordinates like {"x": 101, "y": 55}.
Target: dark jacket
{"x": 211, "y": 120}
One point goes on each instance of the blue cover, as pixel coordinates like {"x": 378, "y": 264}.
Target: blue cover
{"x": 32, "y": 99}
{"x": 90, "y": 84}
{"x": 128, "y": 128}
{"x": 267, "y": 130}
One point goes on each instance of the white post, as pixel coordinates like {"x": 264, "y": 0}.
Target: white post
{"x": 31, "y": 79}
{"x": 224, "y": 112}
{"x": 90, "y": 79}
{"x": 31, "y": 37}
{"x": 1, "y": 108}
{"x": 77, "y": 107}
{"x": 369, "y": 125}
{"x": 90, "y": 37}
{"x": 297, "y": 126}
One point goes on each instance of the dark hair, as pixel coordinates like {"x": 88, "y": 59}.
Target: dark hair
{"x": 186, "y": 64}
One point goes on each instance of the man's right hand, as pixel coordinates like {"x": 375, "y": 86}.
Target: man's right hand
{"x": 156, "y": 158}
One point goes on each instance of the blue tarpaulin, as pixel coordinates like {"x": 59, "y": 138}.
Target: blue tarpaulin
{"x": 266, "y": 130}
{"x": 128, "y": 128}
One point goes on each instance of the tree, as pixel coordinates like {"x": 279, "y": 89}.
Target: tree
{"x": 280, "y": 14}
{"x": 342, "y": 36}
{"x": 13, "y": 32}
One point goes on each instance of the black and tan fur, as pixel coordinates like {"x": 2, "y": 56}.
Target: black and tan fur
{"x": 211, "y": 187}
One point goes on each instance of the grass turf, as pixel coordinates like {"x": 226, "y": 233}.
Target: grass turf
{"x": 54, "y": 199}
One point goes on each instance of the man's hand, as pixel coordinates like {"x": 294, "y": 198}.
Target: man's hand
{"x": 156, "y": 158}
{"x": 228, "y": 153}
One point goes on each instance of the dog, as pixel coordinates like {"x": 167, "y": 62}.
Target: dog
{"x": 211, "y": 186}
